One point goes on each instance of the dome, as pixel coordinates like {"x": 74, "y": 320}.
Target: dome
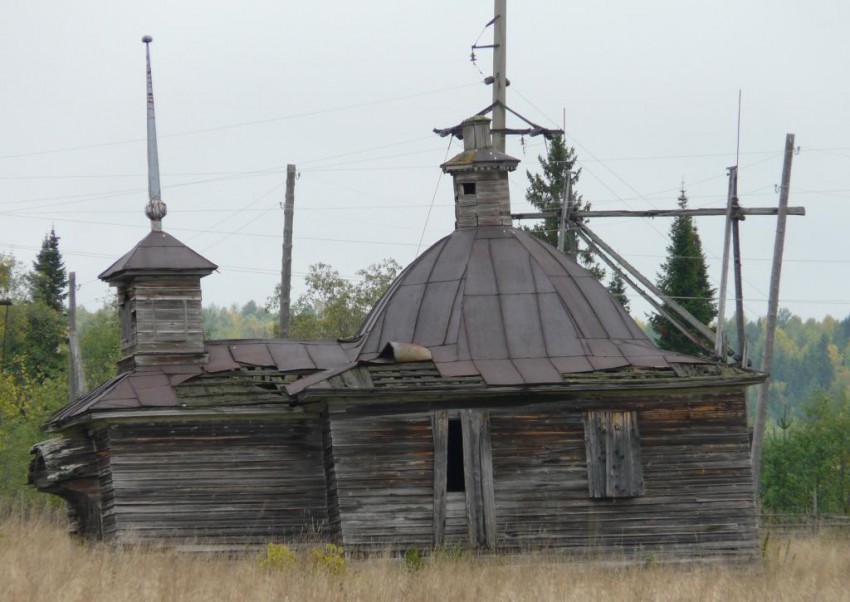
{"x": 500, "y": 303}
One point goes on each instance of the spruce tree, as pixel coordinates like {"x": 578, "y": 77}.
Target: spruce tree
{"x": 48, "y": 281}
{"x": 546, "y": 193}
{"x": 684, "y": 277}
{"x": 617, "y": 288}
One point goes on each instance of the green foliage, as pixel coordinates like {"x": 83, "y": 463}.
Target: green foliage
{"x": 12, "y": 279}
{"x": 454, "y": 553}
{"x": 808, "y": 459}
{"x": 247, "y": 322}
{"x": 33, "y": 329}
{"x": 413, "y": 559}
{"x": 684, "y": 277}
{"x": 278, "y": 556}
{"x": 26, "y": 401}
{"x": 48, "y": 281}
{"x": 100, "y": 343}
{"x": 334, "y": 307}
{"x": 34, "y": 339}
{"x": 809, "y": 356}
{"x": 546, "y": 192}
{"x": 617, "y": 288}
{"x": 328, "y": 558}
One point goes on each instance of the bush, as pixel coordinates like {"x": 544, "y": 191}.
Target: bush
{"x": 278, "y": 556}
{"x": 329, "y": 558}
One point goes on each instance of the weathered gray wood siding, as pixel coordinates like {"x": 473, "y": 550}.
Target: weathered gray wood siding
{"x": 384, "y": 470}
{"x": 168, "y": 316}
{"x": 107, "y": 494}
{"x": 489, "y": 205}
{"x": 243, "y": 481}
{"x": 334, "y": 527}
{"x": 698, "y": 497}
{"x": 161, "y": 318}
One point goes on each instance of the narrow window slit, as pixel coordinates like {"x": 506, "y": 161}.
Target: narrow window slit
{"x": 455, "y": 480}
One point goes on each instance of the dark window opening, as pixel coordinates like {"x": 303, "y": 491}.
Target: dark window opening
{"x": 454, "y": 458}
{"x": 468, "y": 187}
{"x": 124, "y": 315}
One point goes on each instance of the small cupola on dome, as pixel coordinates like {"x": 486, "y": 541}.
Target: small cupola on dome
{"x": 158, "y": 281}
{"x": 480, "y": 175}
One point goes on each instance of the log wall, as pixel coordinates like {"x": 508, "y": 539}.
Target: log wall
{"x": 698, "y": 497}
{"x": 365, "y": 476}
{"x": 384, "y": 471}
{"x": 243, "y": 481}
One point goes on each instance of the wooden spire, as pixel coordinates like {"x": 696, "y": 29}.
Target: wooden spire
{"x": 155, "y": 209}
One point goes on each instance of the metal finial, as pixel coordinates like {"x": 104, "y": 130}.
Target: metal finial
{"x": 155, "y": 209}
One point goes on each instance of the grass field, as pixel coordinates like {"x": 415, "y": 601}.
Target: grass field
{"x": 40, "y": 562}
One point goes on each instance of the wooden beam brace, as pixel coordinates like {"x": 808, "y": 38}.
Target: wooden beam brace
{"x": 646, "y": 296}
{"x": 588, "y": 235}
{"x": 739, "y": 213}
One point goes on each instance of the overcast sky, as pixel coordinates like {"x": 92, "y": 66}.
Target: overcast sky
{"x": 349, "y": 92}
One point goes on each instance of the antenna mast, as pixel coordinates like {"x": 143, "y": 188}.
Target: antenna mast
{"x": 731, "y": 202}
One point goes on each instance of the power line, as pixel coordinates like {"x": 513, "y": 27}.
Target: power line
{"x": 433, "y": 197}
{"x": 249, "y": 234}
{"x": 244, "y": 123}
{"x": 246, "y": 224}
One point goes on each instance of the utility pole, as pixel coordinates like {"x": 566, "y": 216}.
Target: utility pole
{"x": 733, "y": 217}
{"x": 567, "y": 239}
{"x": 739, "y": 286}
{"x": 77, "y": 384}
{"x": 500, "y": 81}
{"x": 772, "y": 308}
{"x": 724, "y": 274}
{"x": 286, "y": 264}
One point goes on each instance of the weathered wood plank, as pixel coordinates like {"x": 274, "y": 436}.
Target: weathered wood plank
{"x": 488, "y": 499}
{"x": 440, "y": 426}
{"x": 472, "y": 475}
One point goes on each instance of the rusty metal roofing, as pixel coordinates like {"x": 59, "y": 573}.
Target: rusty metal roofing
{"x": 284, "y": 355}
{"x": 500, "y": 303}
{"x": 143, "y": 387}
{"x": 158, "y": 252}
{"x": 153, "y": 386}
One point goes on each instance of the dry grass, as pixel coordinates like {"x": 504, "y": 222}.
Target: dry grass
{"x": 40, "y": 562}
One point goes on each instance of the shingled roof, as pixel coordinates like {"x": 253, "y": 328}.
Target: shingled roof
{"x": 158, "y": 252}
{"x": 500, "y": 303}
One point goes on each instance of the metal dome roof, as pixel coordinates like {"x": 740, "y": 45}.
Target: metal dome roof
{"x": 500, "y": 303}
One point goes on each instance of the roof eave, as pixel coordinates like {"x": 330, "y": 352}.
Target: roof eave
{"x": 309, "y": 394}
